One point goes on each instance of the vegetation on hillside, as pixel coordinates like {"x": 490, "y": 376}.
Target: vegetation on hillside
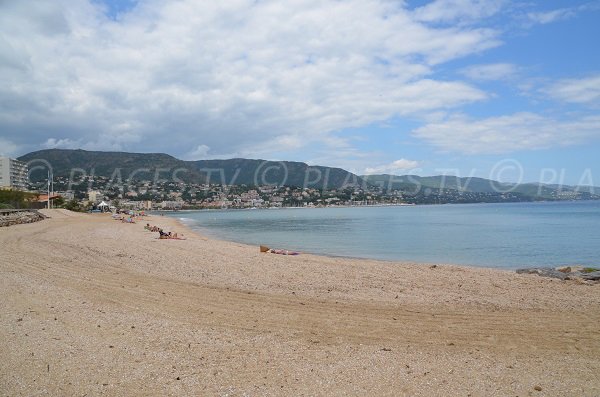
{"x": 121, "y": 167}
{"x": 16, "y": 199}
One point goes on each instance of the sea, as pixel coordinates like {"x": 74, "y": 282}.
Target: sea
{"x": 507, "y": 235}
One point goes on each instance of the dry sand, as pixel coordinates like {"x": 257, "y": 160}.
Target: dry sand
{"x": 93, "y": 306}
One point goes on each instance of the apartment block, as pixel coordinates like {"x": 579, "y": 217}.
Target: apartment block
{"x": 13, "y": 174}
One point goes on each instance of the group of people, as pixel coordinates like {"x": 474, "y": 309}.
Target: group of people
{"x": 162, "y": 234}
{"x": 127, "y": 216}
{"x": 124, "y": 219}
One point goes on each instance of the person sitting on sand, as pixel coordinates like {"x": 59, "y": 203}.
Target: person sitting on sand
{"x": 169, "y": 235}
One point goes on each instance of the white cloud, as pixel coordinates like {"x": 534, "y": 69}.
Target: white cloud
{"x": 551, "y": 16}
{"x": 458, "y": 10}
{"x": 585, "y": 91}
{"x": 505, "y": 134}
{"x": 200, "y": 153}
{"x": 494, "y": 71}
{"x": 393, "y": 167}
{"x": 53, "y": 143}
{"x": 234, "y": 76}
{"x": 7, "y": 148}
{"x": 545, "y": 17}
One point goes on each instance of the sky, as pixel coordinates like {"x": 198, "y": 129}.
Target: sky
{"x": 507, "y": 90}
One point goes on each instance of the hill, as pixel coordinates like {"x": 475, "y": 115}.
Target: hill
{"x": 441, "y": 182}
{"x": 119, "y": 167}
{"x": 457, "y": 185}
{"x": 68, "y": 163}
{"x": 122, "y": 166}
{"x": 281, "y": 173}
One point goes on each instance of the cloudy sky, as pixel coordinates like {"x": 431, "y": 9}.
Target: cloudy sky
{"x": 492, "y": 88}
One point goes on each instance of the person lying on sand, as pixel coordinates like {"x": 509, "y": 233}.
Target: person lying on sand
{"x": 280, "y": 252}
{"x": 283, "y": 252}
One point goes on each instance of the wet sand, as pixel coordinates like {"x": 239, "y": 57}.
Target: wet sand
{"x": 94, "y": 306}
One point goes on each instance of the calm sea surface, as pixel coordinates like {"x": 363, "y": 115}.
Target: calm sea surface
{"x": 492, "y": 235}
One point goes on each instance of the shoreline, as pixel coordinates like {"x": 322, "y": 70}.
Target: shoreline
{"x": 527, "y": 257}
{"x": 107, "y": 308}
{"x": 353, "y": 258}
{"x": 374, "y": 205}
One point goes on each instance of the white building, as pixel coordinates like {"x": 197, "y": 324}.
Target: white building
{"x": 94, "y": 196}
{"x": 68, "y": 195}
{"x": 171, "y": 205}
{"x": 13, "y": 174}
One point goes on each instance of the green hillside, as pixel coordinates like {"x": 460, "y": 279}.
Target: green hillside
{"x": 115, "y": 165}
{"x": 121, "y": 167}
{"x": 262, "y": 172}
{"x": 436, "y": 184}
{"x": 150, "y": 166}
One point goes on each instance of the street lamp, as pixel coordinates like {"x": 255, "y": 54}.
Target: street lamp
{"x": 50, "y": 185}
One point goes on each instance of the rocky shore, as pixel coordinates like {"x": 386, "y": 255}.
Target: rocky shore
{"x": 20, "y": 217}
{"x": 580, "y": 273}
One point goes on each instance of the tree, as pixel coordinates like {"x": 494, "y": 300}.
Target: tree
{"x": 16, "y": 199}
{"x": 58, "y": 202}
{"x": 73, "y": 205}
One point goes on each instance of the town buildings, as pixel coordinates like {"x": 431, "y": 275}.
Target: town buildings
{"x": 13, "y": 174}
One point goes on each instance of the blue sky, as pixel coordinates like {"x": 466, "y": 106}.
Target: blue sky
{"x": 502, "y": 89}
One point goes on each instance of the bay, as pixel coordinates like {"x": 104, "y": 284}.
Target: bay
{"x": 507, "y": 235}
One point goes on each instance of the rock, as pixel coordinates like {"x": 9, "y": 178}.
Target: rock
{"x": 576, "y": 273}
{"x": 544, "y": 272}
{"x": 20, "y": 217}
{"x": 537, "y": 387}
{"x": 593, "y": 276}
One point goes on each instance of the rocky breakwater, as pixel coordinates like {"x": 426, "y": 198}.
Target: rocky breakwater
{"x": 10, "y": 218}
{"x": 581, "y": 273}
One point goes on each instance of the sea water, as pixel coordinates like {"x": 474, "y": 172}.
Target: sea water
{"x": 507, "y": 235}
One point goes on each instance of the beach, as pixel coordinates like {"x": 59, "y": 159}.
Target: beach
{"x": 91, "y": 306}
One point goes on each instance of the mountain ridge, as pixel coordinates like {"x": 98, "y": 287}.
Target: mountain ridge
{"x": 124, "y": 166}
{"x": 152, "y": 166}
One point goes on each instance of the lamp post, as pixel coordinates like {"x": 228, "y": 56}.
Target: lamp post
{"x": 50, "y": 186}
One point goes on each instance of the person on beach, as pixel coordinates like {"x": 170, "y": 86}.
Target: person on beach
{"x": 169, "y": 235}
{"x": 277, "y": 251}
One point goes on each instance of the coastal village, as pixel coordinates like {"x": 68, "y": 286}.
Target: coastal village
{"x": 146, "y": 195}
{"x": 89, "y": 191}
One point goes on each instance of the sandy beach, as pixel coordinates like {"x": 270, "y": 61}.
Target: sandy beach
{"x": 92, "y": 306}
